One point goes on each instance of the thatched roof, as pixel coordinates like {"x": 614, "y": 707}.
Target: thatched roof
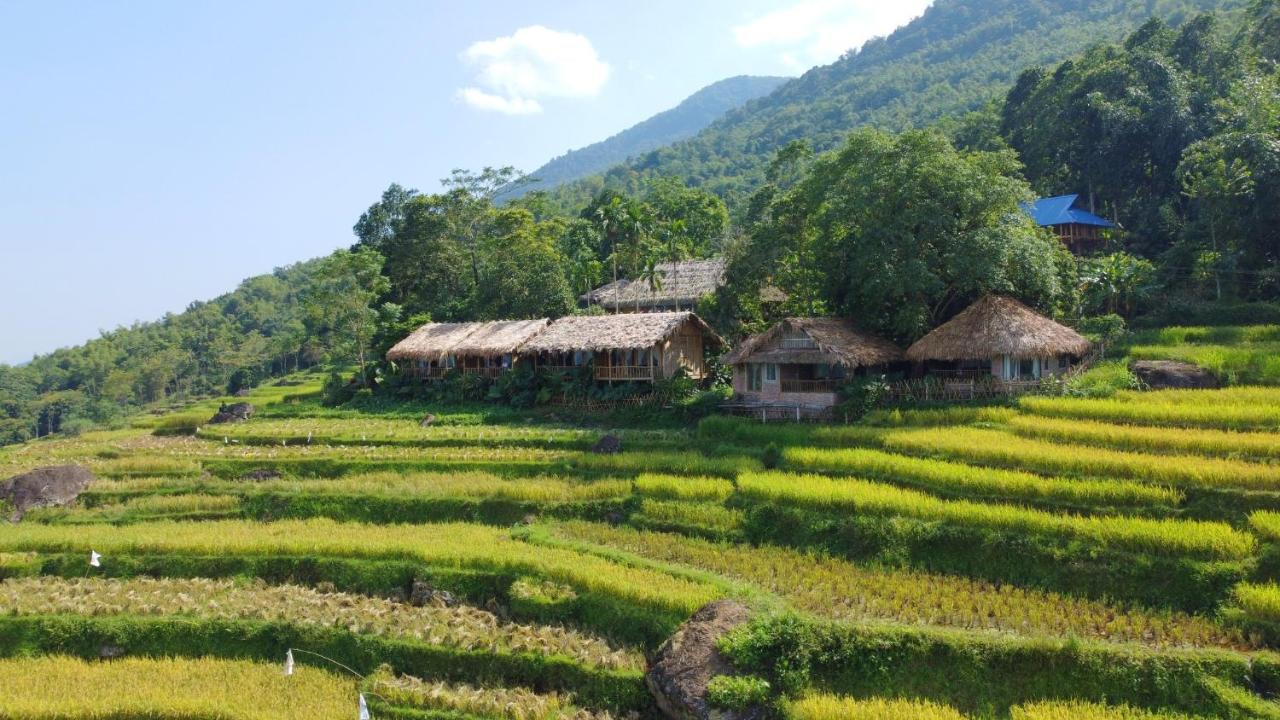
{"x": 630, "y": 331}
{"x": 501, "y": 337}
{"x": 837, "y": 342}
{"x": 467, "y": 339}
{"x": 682, "y": 283}
{"x": 994, "y": 326}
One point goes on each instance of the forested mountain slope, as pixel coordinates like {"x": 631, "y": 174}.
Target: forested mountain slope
{"x": 957, "y": 56}
{"x": 680, "y": 122}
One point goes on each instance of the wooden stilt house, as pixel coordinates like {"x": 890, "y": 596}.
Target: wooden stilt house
{"x": 639, "y": 347}
{"x": 998, "y": 338}
{"x": 804, "y": 361}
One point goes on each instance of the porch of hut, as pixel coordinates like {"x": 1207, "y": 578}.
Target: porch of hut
{"x": 997, "y": 346}
{"x": 801, "y": 363}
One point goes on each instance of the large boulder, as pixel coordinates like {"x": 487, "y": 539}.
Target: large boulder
{"x": 689, "y": 659}
{"x": 236, "y": 412}
{"x": 1161, "y": 374}
{"x": 44, "y": 487}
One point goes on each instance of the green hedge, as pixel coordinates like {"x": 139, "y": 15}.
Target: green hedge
{"x": 985, "y": 674}
{"x": 408, "y": 509}
{"x": 1049, "y": 563}
{"x": 85, "y": 637}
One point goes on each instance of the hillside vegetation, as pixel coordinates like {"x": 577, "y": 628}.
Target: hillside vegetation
{"x": 669, "y": 126}
{"x": 956, "y": 57}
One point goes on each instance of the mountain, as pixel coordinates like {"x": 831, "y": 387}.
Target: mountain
{"x": 957, "y": 56}
{"x": 680, "y": 122}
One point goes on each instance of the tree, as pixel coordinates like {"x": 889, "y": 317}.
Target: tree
{"x": 1115, "y": 283}
{"x": 902, "y": 231}
{"x": 1218, "y": 184}
{"x": 340, "y": 301}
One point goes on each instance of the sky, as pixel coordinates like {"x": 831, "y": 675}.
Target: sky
{"x": 157, "y": 153}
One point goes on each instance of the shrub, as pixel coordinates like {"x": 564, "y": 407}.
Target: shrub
{"x": 737, "y": 692}
{"x": 771, "y": 456}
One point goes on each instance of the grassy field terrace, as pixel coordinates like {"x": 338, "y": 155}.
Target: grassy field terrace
{"x": 1051, "y": 558}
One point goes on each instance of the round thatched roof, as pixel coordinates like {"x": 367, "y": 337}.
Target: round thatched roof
{"x": 836, "y": 342}
{"x": 994, "y": 326}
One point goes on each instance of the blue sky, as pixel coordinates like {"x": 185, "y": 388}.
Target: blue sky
{"x": 156, "y": 153}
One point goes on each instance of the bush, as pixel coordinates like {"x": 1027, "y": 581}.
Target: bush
{"x": 336, "y": 391}
{"x": 861, "y": 396}
{"x": 737, "y": 692}
{"x": 1102, "y": 381}
{"x": 771, "y": 456}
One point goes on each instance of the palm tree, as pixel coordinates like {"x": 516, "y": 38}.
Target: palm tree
{"x": 649, "y": 273}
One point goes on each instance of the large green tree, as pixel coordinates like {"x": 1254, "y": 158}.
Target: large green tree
{"x": 341, "y": 302}
{"x": 901, "y": 231}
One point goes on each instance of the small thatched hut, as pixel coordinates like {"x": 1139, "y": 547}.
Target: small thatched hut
{"x": 999, "y": 337}
{"x": 805, "y": 360}
{"x": 641, "y": 347}
{"x": 484, "y": 348}
{"x": 679, "y": 285}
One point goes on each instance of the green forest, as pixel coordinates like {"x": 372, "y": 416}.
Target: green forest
{"x": 886, "y": 188}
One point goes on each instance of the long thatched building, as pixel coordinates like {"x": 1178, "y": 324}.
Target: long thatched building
{"x": 642, "y": 347}
{"x": 999, "y": 337}
{"x": 483, "y": 348}
{"x": 804, "y": 361}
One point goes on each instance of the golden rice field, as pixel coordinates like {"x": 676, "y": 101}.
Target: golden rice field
{"x": 63, "y": 688}
{"x": 544, "y": 576}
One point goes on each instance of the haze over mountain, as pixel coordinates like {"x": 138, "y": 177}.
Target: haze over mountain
{"x": 957, "y": 56}
{"x": 680, "y": 122}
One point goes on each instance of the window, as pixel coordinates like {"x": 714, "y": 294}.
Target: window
{"x": 1063, "y": 362}
{"x": 754, "y": 383}
{"x": 771, "y": 373}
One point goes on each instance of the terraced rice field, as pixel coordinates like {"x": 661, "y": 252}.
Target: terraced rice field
{"x": 1058, "y": 558}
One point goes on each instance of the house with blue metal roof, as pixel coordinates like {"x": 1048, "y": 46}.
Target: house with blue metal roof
{"x": 1080, "y": 230}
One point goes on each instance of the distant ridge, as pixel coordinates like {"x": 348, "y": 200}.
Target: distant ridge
{"x": 683, "y": 121}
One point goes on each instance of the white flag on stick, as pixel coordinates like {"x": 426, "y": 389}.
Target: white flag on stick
{"x": 95, "y": 560}
{"x": 288, "y": 663}
{"x": 364, "y": 709}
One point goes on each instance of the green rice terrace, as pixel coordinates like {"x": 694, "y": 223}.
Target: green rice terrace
{"x": 1108, "y": 555}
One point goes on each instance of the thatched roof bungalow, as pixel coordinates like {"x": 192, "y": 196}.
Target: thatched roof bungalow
{"x": 1000, "y": 337}
{"x": 681, "y": 285}
{"x": 804, "y": 360}
{"x": 632, "y": 347}
{"x": 487, "y": 348}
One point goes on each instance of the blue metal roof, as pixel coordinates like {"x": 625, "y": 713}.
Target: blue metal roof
{"x": 1062, "y": 210}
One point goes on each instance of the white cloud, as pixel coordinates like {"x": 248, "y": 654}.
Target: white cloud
{"x": 515, "y": 72}
{"x": 813, "y": 32}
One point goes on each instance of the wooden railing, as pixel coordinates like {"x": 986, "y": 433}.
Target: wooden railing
{"x": 624, "y": 372}
{"x": 437, "y": 373}
{"x": 932, "y": 389}
{"x": 808, "y": 386}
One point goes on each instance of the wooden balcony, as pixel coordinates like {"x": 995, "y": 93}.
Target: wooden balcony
{"x": 625, "y": 373}
{"x": 809, "y": 386}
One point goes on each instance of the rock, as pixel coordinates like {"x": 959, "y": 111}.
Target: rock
{"x": 427, "y": 421}
{"x": 261, "y": 474}
{"x": 424, "y": 595}
{"x": 236, "y": 412}
{"x": 1161, "y": 374}
{"x": 243, "y": 392}
{"x": 44, "y": 487}
{"x": 607, "y": 445}
{"x": 686, "y": 662}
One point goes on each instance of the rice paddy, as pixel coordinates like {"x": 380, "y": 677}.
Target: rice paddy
{"x": 485, "y": 569}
